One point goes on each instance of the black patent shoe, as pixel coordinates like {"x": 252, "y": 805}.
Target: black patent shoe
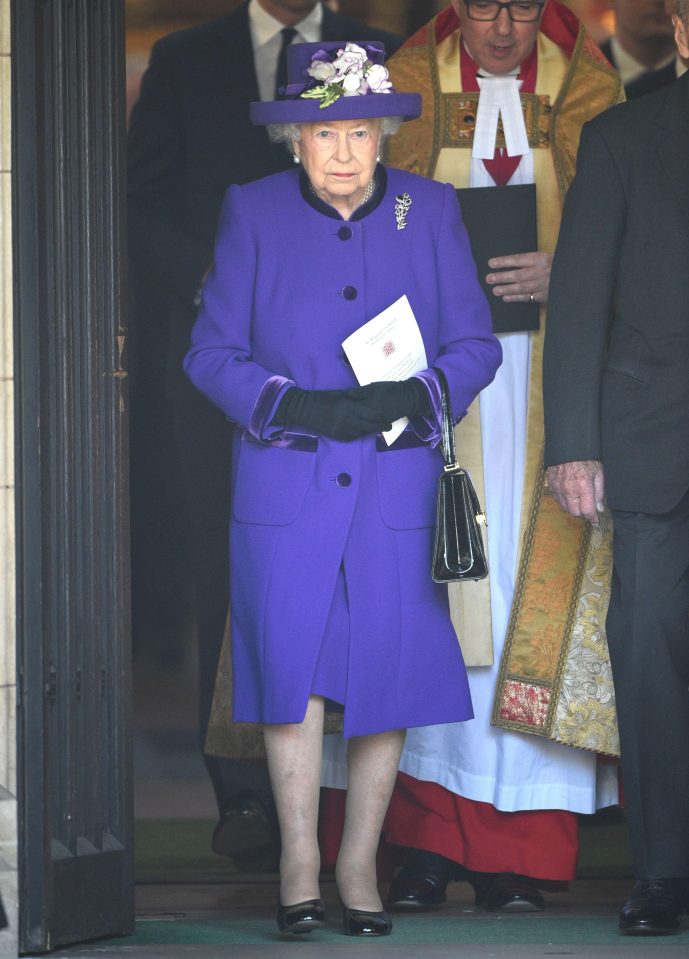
{"x": 505, "y": 892}
{"x": 302, "y": 917}
{"x": 654, "y": 907}
{"x": 422, "y": 881}
{"x": 358, "y": 922}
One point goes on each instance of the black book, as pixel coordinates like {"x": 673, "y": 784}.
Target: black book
{"x": 501, "y": 220}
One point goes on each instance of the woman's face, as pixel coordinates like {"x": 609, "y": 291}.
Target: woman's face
{"x": 339, "y": 157}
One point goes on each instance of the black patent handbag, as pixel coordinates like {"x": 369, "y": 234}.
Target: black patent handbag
{"x": 458, "y": 551}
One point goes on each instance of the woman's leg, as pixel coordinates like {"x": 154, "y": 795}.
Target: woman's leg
{"x": 294, "y": 754}
{"x": 372, "y": 763}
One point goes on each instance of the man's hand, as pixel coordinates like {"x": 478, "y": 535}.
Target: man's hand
{"x": 579, "y": 488}
{"x": 524, "y": 277}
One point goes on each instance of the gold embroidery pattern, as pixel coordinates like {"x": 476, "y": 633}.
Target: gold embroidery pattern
{"x": 525, "y": 703}
{"x": 555, "y": 676}
{"x": 585, "y": 715}
{"x": 459, "y": 120}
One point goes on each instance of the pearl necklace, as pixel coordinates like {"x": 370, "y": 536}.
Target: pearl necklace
{"x": 368, "y": 192}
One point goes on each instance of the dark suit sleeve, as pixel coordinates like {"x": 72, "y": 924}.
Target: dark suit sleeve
{"x": 158, "y": 245}
{"x": 580, "y": 302}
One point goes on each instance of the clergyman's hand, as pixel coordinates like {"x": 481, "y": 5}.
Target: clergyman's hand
{"x": 579, "y": 488}
{"x": 523, "y": 277}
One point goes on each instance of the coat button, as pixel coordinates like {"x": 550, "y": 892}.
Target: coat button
{"x": 349, "y": 293}
{"x": 345, "y": 233}
{"x": 344, "y": 479}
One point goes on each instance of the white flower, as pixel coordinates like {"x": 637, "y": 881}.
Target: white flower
{"x": 322, "y": 70}
{"x": 352, "y": 84}
{"x": 351, "y": 59}
{"x": 377, "y": 78}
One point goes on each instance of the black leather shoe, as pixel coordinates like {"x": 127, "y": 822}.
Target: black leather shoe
{"x": 654, "y": 907}
{"x": 248, "y": 825}
{"x": 358, "y": 922}
{"x": 422, "y": 881}
{"x": 505, "y": 892}
{"x": 302, "y": 917}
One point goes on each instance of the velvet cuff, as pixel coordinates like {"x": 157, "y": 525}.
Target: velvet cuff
{"x": 429, "y": 428}
{"x": 261, "y": 425}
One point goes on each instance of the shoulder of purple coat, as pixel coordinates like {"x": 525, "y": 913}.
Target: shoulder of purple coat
{"x": 261, "y": 200}
{"x": 264, "y": 192}
{"x": 403, "y": 181}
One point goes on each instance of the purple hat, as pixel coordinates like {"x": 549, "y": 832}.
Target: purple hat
{"x": 336, "y": 80}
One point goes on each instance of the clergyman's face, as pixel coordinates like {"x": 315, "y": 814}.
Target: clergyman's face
{"x": 498, "y": 46}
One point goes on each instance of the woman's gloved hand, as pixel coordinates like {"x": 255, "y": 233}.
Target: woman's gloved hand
{"x": 394, "y": 399}
{"x": 349, "y": 414}
{"x": 335, "y": 413}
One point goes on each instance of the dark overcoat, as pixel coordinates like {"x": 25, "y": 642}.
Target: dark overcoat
{"x": 617, "y": 349}
{"x": 616, "y": 382}
{"x": 289, "y": 284}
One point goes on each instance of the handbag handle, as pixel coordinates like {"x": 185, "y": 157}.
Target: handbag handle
{"x": 447, "y": 433}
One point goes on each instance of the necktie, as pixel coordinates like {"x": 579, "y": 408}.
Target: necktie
{"x": 287, "y": 34}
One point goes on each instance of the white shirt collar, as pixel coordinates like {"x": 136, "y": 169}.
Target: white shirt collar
{"x": 265, "y": 27}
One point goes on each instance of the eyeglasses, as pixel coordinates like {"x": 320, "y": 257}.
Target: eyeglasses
{"x": 520, "y": 11}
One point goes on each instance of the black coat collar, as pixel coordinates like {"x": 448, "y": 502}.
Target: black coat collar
{"x": 381, "y": 181}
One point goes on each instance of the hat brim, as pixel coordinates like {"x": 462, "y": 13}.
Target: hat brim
{"x": 372, "y": 106}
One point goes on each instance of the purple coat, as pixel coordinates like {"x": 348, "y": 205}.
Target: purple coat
{"x": 330, "y": 542}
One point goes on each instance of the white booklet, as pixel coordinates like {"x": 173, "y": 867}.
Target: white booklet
{"x": 388, "y": 347}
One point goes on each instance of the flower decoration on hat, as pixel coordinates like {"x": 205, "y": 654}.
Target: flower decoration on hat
{"x": 340, "y": 75}
{"x": 346, "y": 72}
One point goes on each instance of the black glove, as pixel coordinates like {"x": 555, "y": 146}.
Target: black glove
{"x": 392, "y": 400}
{"x": 340, "y": 414}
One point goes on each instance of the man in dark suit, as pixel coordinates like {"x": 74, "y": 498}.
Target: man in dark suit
{"x": 190, "y": 138}
{"x": 616, "y": 385}
{"x": 642, "y": 49}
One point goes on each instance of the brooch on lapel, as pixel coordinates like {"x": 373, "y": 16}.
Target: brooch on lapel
{"x": 402, "y": 204}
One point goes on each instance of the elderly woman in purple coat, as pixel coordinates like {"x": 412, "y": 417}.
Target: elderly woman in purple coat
{"x": 331, "y": 530}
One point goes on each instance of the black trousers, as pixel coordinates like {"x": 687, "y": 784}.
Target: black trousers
{"x": 648, "y": 635}
{"x": 203, "y": 437}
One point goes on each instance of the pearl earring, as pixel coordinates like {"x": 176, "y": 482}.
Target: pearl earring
{"x": 295, "y": 159}
{"x": 378, "y": 158}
